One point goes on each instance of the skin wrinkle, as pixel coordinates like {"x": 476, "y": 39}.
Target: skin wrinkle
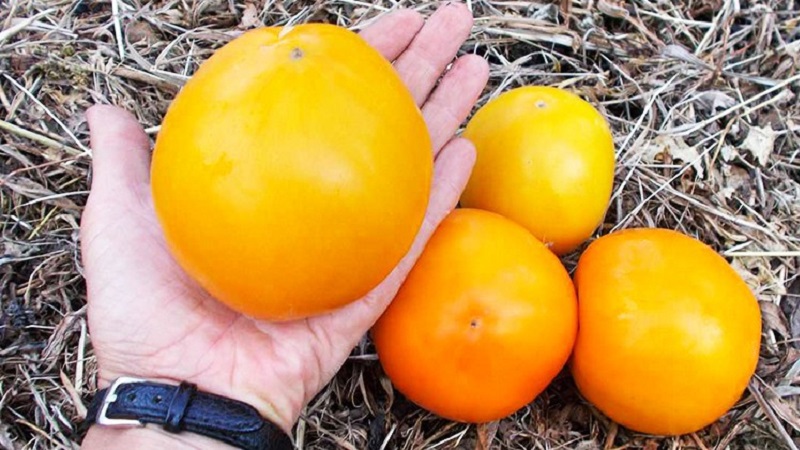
{"x": 162, "y": 352}
{"x": 421, "y": 74}
{"x": 410, "y": 42}
{"x": 294, "y": 371}
{"x": 213, "y": 343}
{"x": 323, "y": 345}
{"x": 187, "y": 331}
{"x": 445, "y": 115}
{"x": 270, "y": 349}
{"x": 412, "y": 20}
{"x": 443, "y": 110}
{"x": 296, "y": 360}
{"x": 426, "y": 57}
{"x": 109, "y": 228}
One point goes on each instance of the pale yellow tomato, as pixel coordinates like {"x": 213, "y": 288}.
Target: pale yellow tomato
{"x": 545, "y": 160}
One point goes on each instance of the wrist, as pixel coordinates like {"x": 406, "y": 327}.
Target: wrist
{"x": 267, "y": 410}
{"x": 177, "y": 415}
{"x": 106, "y": 438}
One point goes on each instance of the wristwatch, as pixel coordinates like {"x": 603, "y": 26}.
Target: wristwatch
{"x": 134, "y": 402}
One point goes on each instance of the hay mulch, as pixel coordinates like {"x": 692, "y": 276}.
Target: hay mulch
{"x": 701, "y": 96}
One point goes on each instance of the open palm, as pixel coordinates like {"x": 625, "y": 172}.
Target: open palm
{"x": 149, "y": 319}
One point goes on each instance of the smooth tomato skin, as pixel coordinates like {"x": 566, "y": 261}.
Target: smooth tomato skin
{"x": 545, "y": 159}
{"x": 484, "y": 322}
{"x": 669, "y": 333}
{"x": 292, "y": 172}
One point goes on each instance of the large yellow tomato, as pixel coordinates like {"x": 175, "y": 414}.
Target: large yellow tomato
{"x": 486, "y": 319}
{"x": 669, "y": 333}
{"x": 292, "y": 172}
{"x": 545, "y": 160}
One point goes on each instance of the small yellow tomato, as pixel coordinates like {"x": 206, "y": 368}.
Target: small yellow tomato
{"x": 546, "y": 161}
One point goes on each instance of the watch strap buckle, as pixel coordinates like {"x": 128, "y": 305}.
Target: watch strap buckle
{"x": 111, "y": 397}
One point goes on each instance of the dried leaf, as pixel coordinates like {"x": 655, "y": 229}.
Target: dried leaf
{"x": 651, "y": 444}
{"x": 715, "y": 100}
{"x": 35, "y": 191}
{"x": 680, "y": 53}
{"x": 787, "y": 391}
{"x": 612, "y": 9}
{"x": 613, "y": 429}
{"x": 760, "y": 142}
{"x": 141, "y": 32}
{"x": 388, "y": 389}
{"x": 12, "y": 249}
{"x": 793, "y": 298}
{"x": 80, "y": 408}
{"x": 744, "y": 272}
{"x": 250, "y": 17}
{"x": 59, "y": 339}
{"x": 486, "y": 434}
{"x": 545, "y": 13}
{"x": 792, "y": 126}
{"x": 785, "y": 411}
{"x": 5, "y": 437}
{"x": 735, "y": 178}
{"x": 587, "y": 445}
{"x": 728, "y": 152}
{"x": 676, "y": 148}
{"x": 773, "y": 319}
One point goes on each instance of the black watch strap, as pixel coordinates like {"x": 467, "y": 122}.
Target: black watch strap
{"x": 184, "y": 408}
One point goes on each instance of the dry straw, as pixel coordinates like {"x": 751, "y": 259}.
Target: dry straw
{"x": 701, "y": 95}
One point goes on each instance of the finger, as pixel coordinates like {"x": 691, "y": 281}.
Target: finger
{"x": 392, "y": 33}
{"x": 437, "y": 43}
{"x": 452, "y": 171}
{"x": 121, "y": 150}
{"x": 453, "y": 99}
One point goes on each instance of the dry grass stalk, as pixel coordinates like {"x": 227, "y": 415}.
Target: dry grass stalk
{"x": 683, "y": 83}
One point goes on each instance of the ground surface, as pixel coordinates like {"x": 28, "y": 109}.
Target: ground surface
{"x": 701, "y": 95}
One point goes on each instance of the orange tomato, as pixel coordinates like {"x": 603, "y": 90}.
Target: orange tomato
{"x": 483, "y": 323}
{"x": 292, "y": 172}
{"x": 669, "y": 333}
{"x": 545, "y": 160}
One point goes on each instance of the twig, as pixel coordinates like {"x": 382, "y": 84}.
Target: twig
{"x": 53, "y": 197}
{"x": 146, "y": 77}
{"x": 48, "y": 112}
{"x": 558, "y": 39}
{"x": 118, "y": 29}
{"x": 685, "y": 130}
{"x": 771, "y": 415}
{"x": 44, "y": 411}
{"x": 79, "y": 365}
{"x": 44, "y": 140}
{"x": 698, "y": 441}
{"x": 80, "y": 408}
{"x": 767, "y": 254}
{"x": 11, "y": 31}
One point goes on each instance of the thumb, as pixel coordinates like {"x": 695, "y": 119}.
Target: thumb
{"x": 121, "y": 152}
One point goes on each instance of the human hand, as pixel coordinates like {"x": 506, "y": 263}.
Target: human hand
{"x": 149, "y": 319}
